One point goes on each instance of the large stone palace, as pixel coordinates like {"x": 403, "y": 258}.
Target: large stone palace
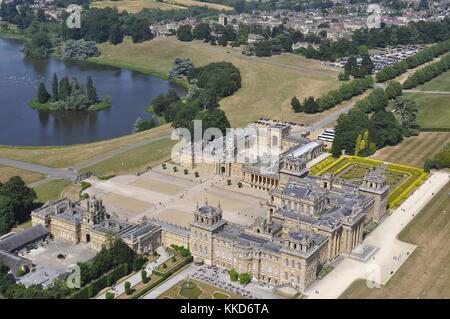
{"x": 310, "y": 220}
{"x": 256, "y": 154}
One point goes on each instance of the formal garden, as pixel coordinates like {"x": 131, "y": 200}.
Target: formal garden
{"x": 180, "y": 258}
{"x": 194, "y": 289}
{"x": 401, "y": 179}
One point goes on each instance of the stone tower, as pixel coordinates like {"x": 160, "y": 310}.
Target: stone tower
{"x": 375, "y": 184}
{"x": 207, "y": 221}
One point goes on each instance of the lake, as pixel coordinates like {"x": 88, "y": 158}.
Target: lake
{"x": 130, "y": 92}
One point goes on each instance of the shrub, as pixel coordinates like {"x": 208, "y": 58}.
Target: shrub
{"x": 164, "y": 166}
{"x": 239, "y": 184}
{"x": 127, "y": 286}
{"x": 110, "y": 295}
{"x": 233, "y": 275}
{"x": 229, "y": 182}
{"x": 144, "y": 276}
{"x": 196, "y": 174}
{"x": 244, "y": 278}
{"x": 186, "y": 171}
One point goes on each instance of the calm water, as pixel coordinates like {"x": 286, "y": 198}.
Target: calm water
{"x": 130, "y": 92}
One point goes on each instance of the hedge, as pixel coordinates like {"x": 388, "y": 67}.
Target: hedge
{"x": 435, "y": 129}
{"x": 93, "y": 288}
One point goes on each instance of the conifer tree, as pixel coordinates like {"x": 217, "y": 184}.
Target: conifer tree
{"x": 296, "y": 106}
{"x": 42, "y": 93}
{"x": 64, "y": 88}
{"x": 55, "y": 94}
{"x": 91, "y": 91}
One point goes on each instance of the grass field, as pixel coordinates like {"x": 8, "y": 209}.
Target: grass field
{"x": 51, "y": 190}
{"x": 28, "y": 177}
{"x": 439, "y": 83}
{"x": 197, "y": 290}
{"x": 426, "y": 274}
{"x": 268, "y": 84}
{"x": 135, "y": 160}
{"x": 65, "y": 156}
{"x": 434, "y": 109}
{"x": 193, "y": 3}
{"x": 133, "y": 6}
{"x": 415, "y": 150}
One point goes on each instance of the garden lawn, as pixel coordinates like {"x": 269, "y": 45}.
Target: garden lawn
{"x": 426, "y": 273}
{"x": 28, "y": 177}
{"x": 51, "y": 190}
{"x": 267, "y": 84}
{"x": 137, "y": 159}
{"x": 434, "y": 109}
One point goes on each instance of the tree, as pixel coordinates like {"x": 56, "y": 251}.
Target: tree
{"x": 127, "y": 287}
{"x": 184, "y": 33}
{"x": 214, "y": 119}
{"x": 393, "y": 89}
{"x": 244, "y": 278}
{"x": 233, "y": 274}
{"x": 7, "y": 216}
{"x": 91, "y": 91}
{"x": 406, "y": 110}
{"x": 144, "y": 276}
{"x": 64, "y": 88}
{"x": 348, "y": 127}
{"x": 142, "y": 125}
{"x": 366, "y": 64}
{"x": 115, "y": 34}
{"x": 202, "y": 31}
{"x": 55, "y": 94}
{"x": 296, "y": 105}
{"x": 42, "y": 93}
{"x": 310, "y": 105}
{"x": 17, "y": 202}
{"x": 384, "y": 129}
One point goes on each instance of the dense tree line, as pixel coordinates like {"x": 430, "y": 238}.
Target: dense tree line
{"x": 345, "y": 92}
{"x": 422, "y": 57}
{"x": 16, "y": 202}
{"x": 370, "y": 126}
{"x": 428, "y": 72}
{"x": 422, "y": 32}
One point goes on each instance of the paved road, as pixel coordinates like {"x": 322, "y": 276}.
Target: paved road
{"x": 189, "y": 270}
{"x": 427, "y": 92}
{"x": 71, "y": 172}
{"x": 392, "y": 253}
{"x": 53, "y": 173}
{"x": 119, "y": 151}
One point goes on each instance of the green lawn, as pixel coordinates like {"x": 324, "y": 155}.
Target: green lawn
{"x": 439, "y": 83}
{"x": 135, "y": 160}
{"x": 426, "y": 273}
{"x": 434, "y": 109}
{"x": 51, "y": 190}
{"x": 268, "y": 84}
